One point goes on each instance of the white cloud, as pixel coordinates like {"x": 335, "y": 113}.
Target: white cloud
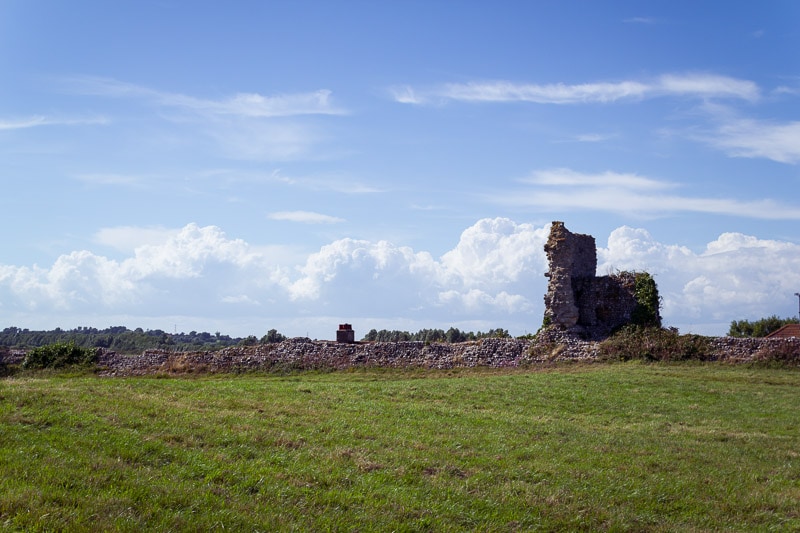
{"x": 489, "y": 272}
{"x": 128, "y": 238}
{"x": 256, "y": 105}
{"x": 493, "y": 276}
{"x": 476, "y": 301}
{"x": 593, "y": 137}
{"x": 41, "y": 120}
{"x": 757, "y": 138}
{"x": 335, "y": 183}
{"x": 504, "y": 91}
{"x": 496, "y": 252}
{"x": 640, "y": 20}
{"x": 83, "y": 279}
{"x": 706, "y": 86}
{"x": 241, "y": 104}
{"x": 568, "y": 177}
{"x": 784, "y": 89}
{"x": 23, "y": 123}
{"x": 697, "y": 85}
{"x": 405, "y": 95}
{"x": 736, "y": 277}
{"x": 239, "y": 299}
{"x": 307, "y": 217}
{"x": 565, "y": 189}
{"x": 349, "y": 266}
{"x": 277, "y": 140}
{"x": 112, "y": 179}
{"x": 245, "y": 126}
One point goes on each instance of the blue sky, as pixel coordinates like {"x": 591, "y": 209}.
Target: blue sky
{"x": 245, "y": 166}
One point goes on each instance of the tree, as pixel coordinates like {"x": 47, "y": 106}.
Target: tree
{"x": 454, "y": 335}
{"x": 272, "y": 337}
{"x": 250, "y": 340}
{"x": 759, "y": 328}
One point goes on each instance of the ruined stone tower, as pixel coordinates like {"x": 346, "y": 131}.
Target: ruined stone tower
{"x": 577, "y": 300}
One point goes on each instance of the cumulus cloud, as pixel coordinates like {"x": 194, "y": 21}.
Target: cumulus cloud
{"x": 496, "y": 253}
{"x": 351, "y": 266}
{"x": 696, "y": 85}
{"x": 492, "y": 277}
{"x": 736, "y": 276}
{"x": 83, "y": 279}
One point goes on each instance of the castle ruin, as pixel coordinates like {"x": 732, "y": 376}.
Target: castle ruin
{"x": 577, "y": 300}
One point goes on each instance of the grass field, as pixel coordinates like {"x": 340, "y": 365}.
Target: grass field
{"x": 612, "y": 447}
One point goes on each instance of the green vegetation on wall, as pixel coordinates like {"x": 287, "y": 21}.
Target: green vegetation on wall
{"x": 648, "y": 301}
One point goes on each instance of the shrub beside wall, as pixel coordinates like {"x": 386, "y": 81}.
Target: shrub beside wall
{"x": 59, "y": 355}
{"x": 654, "y": 344}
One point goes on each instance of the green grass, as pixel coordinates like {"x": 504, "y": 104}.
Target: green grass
{"x": 623, "y": 447}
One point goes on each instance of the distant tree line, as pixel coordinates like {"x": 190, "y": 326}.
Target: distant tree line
{"x": 759, "y": 328}
{"x": 123, "y": 340}
{"x": 452, "y": 335}
{"x": 120, "y": 339}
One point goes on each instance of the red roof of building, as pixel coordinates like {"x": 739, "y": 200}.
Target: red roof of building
{"x": 789, "y": 330}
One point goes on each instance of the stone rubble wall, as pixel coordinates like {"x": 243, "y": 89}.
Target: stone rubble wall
{"x": 305, "y": 354}
{"x": 744, "y": 350}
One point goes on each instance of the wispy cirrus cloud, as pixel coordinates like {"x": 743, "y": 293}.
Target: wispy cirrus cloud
{"x": 240, "y": 104}
{"x": 305, "y": 217}
{"x": 111, "y": 178}
{"x": 593, "y": 137}
{"x": 241, "y": 126}
{"x": 335, "y": 183}
{"x": 406, "y": 95}
{"x": 739, "y": 136}
{"x": 43, "y": 120}
{"x": 572, "y": 178}
{"x": 639, "y": 20}
{"x": 697, "y": 85}
{"x": 759, "y": 139}
{"x": 566, "y": 189}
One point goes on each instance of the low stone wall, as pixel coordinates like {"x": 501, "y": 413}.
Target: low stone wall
{"x": 305, "y": 354}
{"x": 744, "y": 350}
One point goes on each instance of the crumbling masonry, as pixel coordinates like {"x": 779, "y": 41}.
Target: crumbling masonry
{"x": 577, "y": 300}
